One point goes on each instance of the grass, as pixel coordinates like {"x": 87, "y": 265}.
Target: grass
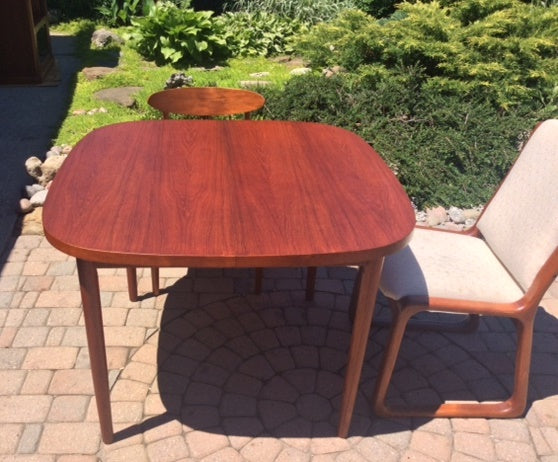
{"x": 133, "y": 70}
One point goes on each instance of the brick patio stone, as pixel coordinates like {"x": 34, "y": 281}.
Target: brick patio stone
{"x": 136, "y": 453}
{"x": 430, "y": 444}
{"x": 124, "y": 336}
{"x": 9, "y": 437}
{"x": 512, "y": 451}
{"x": 34, "y": 268}
{"x": 70, "y": 408}
{"x": 30, "y": 438}
{"x": 71, "y": 382}
{"x": 210, "y": 350}
{"x": 77, "y": 458}
{"x": 7, "y": 336}
{"x": 480, "y": 446}
{"x": 70, "y": 438}
{"x": 62, "y": 357}
{"x": 30, "y": 337}
{"x": 11, "y": 381}
{"x": 37, "y": 283}
{"x": 36, "y": 382}
{"x": 168, "y": 449}
{"x": 36, "y": 317}
{"x": 59, "y": 298}
{"x": 24, "y": 409}
{"x": 261, "y": 450}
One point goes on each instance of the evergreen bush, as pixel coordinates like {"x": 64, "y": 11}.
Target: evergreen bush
{"x": 503, "y": 50}
{"x": 444, "y": 150}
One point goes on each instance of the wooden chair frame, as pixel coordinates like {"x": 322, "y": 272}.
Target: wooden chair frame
{"x": 522, "y": 312}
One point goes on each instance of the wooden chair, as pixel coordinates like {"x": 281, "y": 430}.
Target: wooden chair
{"x": 502, "y": 267}
{"x": 204, "y": 102}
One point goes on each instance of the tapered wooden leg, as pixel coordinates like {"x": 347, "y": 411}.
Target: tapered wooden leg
{"x": 258, "y": 281}
{"x": 310, "y": 282}
{"x": 91, "y": 299}
{"x": 155, "y": 280}
{"x": 132, "y": 284}
{"x": 369, "y": 281}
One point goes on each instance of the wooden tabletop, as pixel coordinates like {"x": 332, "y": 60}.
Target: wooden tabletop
{"x": 211, "y": 193}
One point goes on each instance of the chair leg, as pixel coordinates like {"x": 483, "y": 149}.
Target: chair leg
{"x": 310, "y": 282}
{"x": 512, "y": 407}
{"x": 258, "y": 282}
{"x": 132, "y": 284}
{"x": 155, "y": 280}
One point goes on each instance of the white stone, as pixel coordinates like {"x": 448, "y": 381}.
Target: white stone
{"x": 300, "y": 71}
{"x": 25, "y": 205}
{"x": 38, "y": 199}
{"x": 33, "y": 166}
{"x": 50, "y": 167}
{"x": 33, "y": 189}
{"x": 456, "y": 215}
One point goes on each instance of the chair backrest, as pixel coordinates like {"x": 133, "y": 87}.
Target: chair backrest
{"x": 520, "y": 223}
{"x": 206, "y": 101}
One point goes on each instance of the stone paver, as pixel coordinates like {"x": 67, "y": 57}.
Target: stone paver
{"x": 211, "y": 372}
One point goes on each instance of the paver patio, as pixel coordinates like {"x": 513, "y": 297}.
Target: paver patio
{"x": 208, "y": 371}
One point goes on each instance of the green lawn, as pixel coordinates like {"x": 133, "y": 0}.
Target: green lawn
{"x": 133, "y": 70}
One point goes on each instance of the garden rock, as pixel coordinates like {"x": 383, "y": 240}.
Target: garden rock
{"x": 33, "y": 222}
{"x": 331, "y": 71}
{"x": 25, "y": 205}
{"x": 97, "y": 72}
{"x": 39, "y": 198}
{"x": 44, "y": 172}
{"x": 456, "y": 215}
{"x": 124, "y": 96}
{"x": 300, "y": 71}
{"x": 33, "y": 189}
{"x": 33, "y": 167}
{"x": 179, "y": 80}
{"x": 102, "y": 38}
{"x": 436, "y": 216}
{"x": 253, "y": 83}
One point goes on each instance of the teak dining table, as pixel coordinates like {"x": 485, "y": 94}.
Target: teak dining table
{"x": 222, "y": 194}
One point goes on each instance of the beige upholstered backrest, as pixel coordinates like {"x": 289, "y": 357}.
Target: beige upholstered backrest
{"x": 520, "y": 224}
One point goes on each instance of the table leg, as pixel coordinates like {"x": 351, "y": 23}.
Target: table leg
{"x": 91, "y": 299}
{"x": 369, "y": 279}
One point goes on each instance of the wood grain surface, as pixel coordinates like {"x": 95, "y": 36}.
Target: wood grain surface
{"x": 226, "y": 194}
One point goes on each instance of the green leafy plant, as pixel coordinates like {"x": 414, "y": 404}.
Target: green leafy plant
{"x": 169, "y": 34}
{"x": 309, "y": 11}
{"x": 259, "y": 33}
{"x": 121, "y": 12}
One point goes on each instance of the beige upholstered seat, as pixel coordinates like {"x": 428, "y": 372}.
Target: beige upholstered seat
{"x": 502, "y": 267}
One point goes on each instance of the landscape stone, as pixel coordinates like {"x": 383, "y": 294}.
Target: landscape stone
{"x": 435, "y": 216}
{"x": 39, "y": 198}
{"x": 49, "y": 168}
{"x": 300, "y": 71}
{"x": 123, "y": 96}
{"x": 101, "y": 38}
{"x": 253, "y": 83}
{"x": 25, "y": 205}
{"x": 33, "y": 189}
{"x": 33, "y": 166}
{"x": 97, "y": 72}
